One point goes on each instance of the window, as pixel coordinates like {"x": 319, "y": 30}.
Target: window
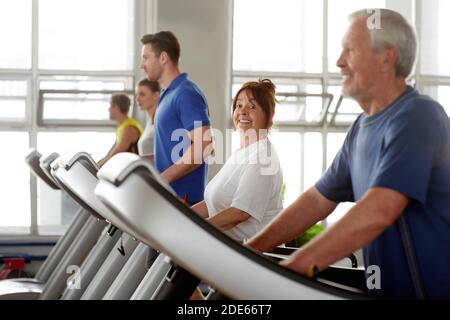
{"x": 86, "y": 35}
{"x": 15, "y": 185}
{"x": 276, "y": 35}
{"x": 291, "y": 162}
{"x": 338, "y": 12}
{"x": 434, "y": 45}
{"x": 84, "y": 84}
{"x": 68, "y": 143}
{"x": 78, "y": 102}
{"x": 59, "y": 105}
{"x": 443, "y": 96}
{"x": 343, "y": 111}
{"x": 299, "y": 102}
{"x": 335, "y": 140}
{"x": 262, "y": 47}
{"x": 313, "y": 155}
{"x": 288, "y": 107}
{"x": 72, "y": 55}
{"x": 339, "y": 212}
{"x": 301, "y": 108}
{"x": 441, "y": 93}
{"x": 15, "y": 34}
{"x": 12, "y": 100}
{"x": 282, "y": 41}
{"x": 55, "y": 209}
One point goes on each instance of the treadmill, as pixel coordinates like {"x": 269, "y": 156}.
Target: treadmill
{"x": 112, "y": 252}
{"x": 130, "y": 186}
{"x": 30, "y": 288}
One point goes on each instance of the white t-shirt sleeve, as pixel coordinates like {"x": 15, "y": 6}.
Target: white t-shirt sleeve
{"x": 145, "y": 143}
{"x": 254, "y": 191}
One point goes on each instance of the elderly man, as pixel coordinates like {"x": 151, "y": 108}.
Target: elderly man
{"x": 395, "y": 164}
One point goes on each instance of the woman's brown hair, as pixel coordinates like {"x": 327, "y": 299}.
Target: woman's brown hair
{"x": 152, "y": 85}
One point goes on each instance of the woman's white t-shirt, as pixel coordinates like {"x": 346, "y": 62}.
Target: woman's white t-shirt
{"x": 145, "y": 142}
{"x": 250, "y": 180}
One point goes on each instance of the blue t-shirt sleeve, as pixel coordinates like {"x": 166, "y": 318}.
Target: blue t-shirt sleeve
{"x": 336, "y": 183}
{"x": 192, "y": 110}
{"x": 409, "y": 150}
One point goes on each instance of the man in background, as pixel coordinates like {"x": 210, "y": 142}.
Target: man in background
{"x": 181, "y": 119}
{"x": 128, "y": 129}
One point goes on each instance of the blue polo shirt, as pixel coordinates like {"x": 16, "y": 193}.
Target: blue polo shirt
{"x": 405, "y": 147}
{"x": 182, "y": 107}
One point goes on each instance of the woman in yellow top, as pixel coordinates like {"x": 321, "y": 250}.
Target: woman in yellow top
{"x": 128, "y": 130}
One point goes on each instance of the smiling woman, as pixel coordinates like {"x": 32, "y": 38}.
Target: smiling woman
{"x": 253, "y": 110}
{"x": 252, "y": 172}
{"x": 253, "y": 169}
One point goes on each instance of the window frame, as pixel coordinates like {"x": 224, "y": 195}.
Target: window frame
{"x": 5, "y": 123}
{"x": 409, "y": 8}
{"x": 141, "y": 24}
{"x": 74, "y": 122}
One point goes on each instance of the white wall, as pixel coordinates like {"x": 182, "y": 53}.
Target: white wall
{"x": 203, "y": 28}
{"x": 405, "y": 7}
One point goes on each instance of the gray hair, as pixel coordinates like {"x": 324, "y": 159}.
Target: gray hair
{"x": 392, "y": 30}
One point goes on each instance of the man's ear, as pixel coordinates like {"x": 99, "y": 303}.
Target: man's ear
{"x": 389, "y": 59}
{"x": 164, "y": 58}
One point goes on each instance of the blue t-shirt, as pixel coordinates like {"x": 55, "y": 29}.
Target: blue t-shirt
{"x": 405, "y": 147}
{"x": 182, "y": 107}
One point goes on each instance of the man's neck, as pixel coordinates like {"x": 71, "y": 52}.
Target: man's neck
{"x": 168, "y": 76}
{"x": 121, "y": 119}
{"x": 382, "y": 97}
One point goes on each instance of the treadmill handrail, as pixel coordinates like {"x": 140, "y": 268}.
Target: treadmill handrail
{"x": 121, "y": 165}
{"x": 145, "y": 174}
{"x": 246, "y": 251}
{"x": 86, "y": 160}
{"x": 33, "y": 159}
{"x": 46, "y": 166}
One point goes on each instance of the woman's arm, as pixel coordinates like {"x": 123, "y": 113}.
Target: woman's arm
{"x": 228, "y": 218}
{"x": 201, "y": 209}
